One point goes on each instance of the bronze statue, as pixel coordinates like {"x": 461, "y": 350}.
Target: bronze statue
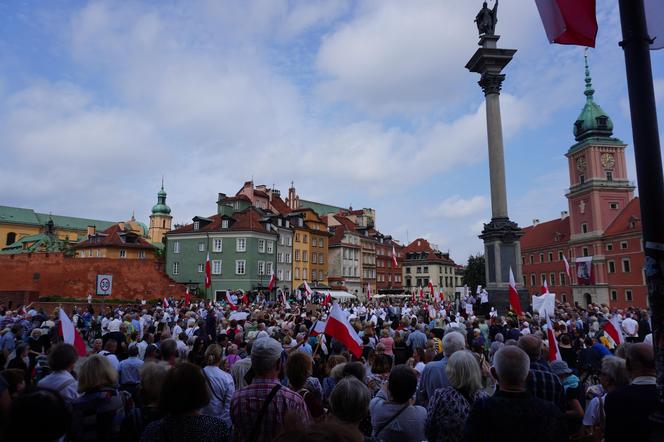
{"x": 486, "y": 20}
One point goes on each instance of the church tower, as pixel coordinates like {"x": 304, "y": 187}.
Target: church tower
{"x": 599, "y": 187}
{"x": 160, "y": 220}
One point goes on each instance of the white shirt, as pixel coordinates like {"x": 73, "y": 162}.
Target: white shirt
{"x": 630, "y": 326}
{"x": 114, "y": 325}
{"x": 115, "y": 362}
{"x": 592, "y": 412}
{"x": 104, "y": 325}
{"x": 223, "y": 388}
{"x": 142, "y": 346}
{"x": 62, "y": 382}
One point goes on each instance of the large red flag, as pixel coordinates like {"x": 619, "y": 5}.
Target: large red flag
{"x": 273, "y": 281}
{"x": 569, "y": 22}
{"x": 554, "y": 352}
{"x": 545, "y": 288}
{"x": 514, "y": 295}
{"x": 395, "y": 264}
{"x": 569, "y": 275}
{"x": 613, "y": 329}
{"x": 208, "y": 272}
{"x": 69, "y": 333}
{"x": 187, "y": 297}
{"x": 339, "y": 328}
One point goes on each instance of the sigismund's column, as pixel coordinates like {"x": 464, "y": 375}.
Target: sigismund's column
{"x": 502, "y": 250}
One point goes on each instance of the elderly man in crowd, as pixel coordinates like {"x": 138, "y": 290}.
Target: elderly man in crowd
{"x": 433, "y": 376}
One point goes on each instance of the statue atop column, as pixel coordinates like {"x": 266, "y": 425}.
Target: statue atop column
{"x": 486, "y": 20}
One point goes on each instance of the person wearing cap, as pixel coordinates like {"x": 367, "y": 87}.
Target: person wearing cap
{"x": 574, "y": 398}
{"x": 258, "y": 411}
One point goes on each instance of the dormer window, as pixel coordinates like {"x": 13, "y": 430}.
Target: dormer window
{"x": 197, "y": 225}
{"x": 602, "y": 121}
{"x": 579, "y": 125}
{"x": 224, "y": 224}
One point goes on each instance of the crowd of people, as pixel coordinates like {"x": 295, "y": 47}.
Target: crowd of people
{"x": 263, "y": 370}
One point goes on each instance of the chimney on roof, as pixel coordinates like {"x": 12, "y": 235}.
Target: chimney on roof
{"x": 92, "y": 230}
{"x": 564, "y": 214}
{"x": 536, "y": 221}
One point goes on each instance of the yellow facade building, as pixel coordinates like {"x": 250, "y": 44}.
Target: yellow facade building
{"x": 310, "y": 248}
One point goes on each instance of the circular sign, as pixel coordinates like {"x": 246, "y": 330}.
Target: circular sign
{"x": 104, "y": 284}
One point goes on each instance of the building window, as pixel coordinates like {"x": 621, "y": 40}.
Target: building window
{"x": 550, "y": 256}
{"x": 141, "y": 254}
{"x": 523, "y": 261}
{"x": 564, "y": 297}
{"x": 552, "y": 279}
{"x": 532, "y": 259}
{"x": 305, "y": 239}
{"x": 628, "y": 295}
{"x": 268, "y": 268}
{"x": 582, "y": 179}
{"x": 11, "y": 238}
{"x": 201, "y": 247}
{"x": 541, "y": 257}
{"x": 280, "y": 274}
{"x": 425, "y": 270}
{"x": 261, "y": 246}
{"x": 614, "y": 206}
{"x": 543, "y": 278}
{"x": 199, "y": 268}
{"x": 288, "y": 258}
{"x": 288, "y": 275}
{"x": 280, "y": 257}
{"x": 261, "y": 267}
{"x": 407, "y": 269}
{"x": 305, "y": 256}
{"x": 609, "y": 247}
{"x": 585, "y": 251}
{"x": 289, "y": 241}
{"x": 609, "y": 176}
{"x": 217, "y": 245}
{"x": 623, "y": 245}
{"x": 216, "y": 267}
{"x": 197, "y": 225}
{"x": 614, "y": 295}
{"x": 611, "y": 266}
{"x": 584, "y": 228}
{"x": 297, "y": 255}
{"x": 563, "y": 280}
{"x": 418, "y": 270}
{"x": 270, "y": 247}
{"x": 297, "y": 237}
{"x": 320, "y": 275}
{"x": 532, "y": 280}
{"x": 321, "y": 243}
{"x": 240, "y": 267}
{"x": 626, "y": 267}
{"x": 297, "y": 272}
{"x": 224, "y": 224}
{"x": 123, "y": 253}
{"x": 176, "y": 268}
{"x": 241, "y": 245}
{"x": 314, "y": 258}
{"x": 176, "y": 247}
{"x": 560, "y": 255}
{"x": 304, "y": 273}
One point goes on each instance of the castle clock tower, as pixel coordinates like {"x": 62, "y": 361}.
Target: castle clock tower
{"x": 160, "y": 220}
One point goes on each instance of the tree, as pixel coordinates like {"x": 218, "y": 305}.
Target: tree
{"x": 474, "y": 274}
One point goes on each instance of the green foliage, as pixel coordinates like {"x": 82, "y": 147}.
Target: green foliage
{"x": 474, "y": 274}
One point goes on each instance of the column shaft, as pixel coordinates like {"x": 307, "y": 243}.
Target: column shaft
{"x": 496, "y": 156}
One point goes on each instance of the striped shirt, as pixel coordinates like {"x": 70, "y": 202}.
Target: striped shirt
{"x": 248, "y": 402}
{"x": 546, "y": 385}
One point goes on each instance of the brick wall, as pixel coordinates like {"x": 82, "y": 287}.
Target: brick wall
{"x": 53, "y": 274}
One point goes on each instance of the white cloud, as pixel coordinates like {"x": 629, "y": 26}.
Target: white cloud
{"x": 458, "y": 207}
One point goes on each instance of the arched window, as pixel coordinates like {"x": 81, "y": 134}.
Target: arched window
{"x": 11, "y": 238}
{"x": 163, "y": 225}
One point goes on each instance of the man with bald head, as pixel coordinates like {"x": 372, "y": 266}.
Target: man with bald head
{"x": 628, "y": 409}
{"x": 513, "y": 413}
{"x": 542, "y": 382}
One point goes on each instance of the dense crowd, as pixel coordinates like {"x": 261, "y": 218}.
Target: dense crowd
{"x": 263, "y": 370}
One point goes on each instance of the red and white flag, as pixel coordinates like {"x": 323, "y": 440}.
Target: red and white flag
{"x": 245, "y": 297}
{"x": 613, "y": 329}
{"x": 273, "y": 281}
{"x": 69, "y": 333}
{"x": 431, "y": 291}
{"x": 282, "y": 296}
{"x": 208, "y": 272}
{"x": 339, "y": 328}
{"x": 307, "y": 290}
{"x": 165, "y": 302}
{"x": 413, "y": 296}
{"x": 395, "y": 264}
{"x": 229, "y": 300}
{"x": 569, "y": 22}
{"x": 514, "y": 295}
{"x": 368, "y": 292}
{"x": 318, "y": 328}
{"x": 421, "y": 293}
{"x": 554, "y": 352}
{"x": 187, "y": 297}
{"x": 545, "y": 288}
{"x": 569, "y": 275}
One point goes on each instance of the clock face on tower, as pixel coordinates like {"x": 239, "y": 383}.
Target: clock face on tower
{"x": 607, "y": 160}
{"x": 581, "y": 164}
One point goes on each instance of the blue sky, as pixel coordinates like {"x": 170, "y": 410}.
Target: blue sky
{"x": 364, "y": 103}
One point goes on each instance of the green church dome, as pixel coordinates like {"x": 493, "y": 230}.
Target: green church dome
{"x": 161, "y": 208}
{"x": 592, "y": 120}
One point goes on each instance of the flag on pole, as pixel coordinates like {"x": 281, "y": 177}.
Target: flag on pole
{"x": 187, "y": 297}
{"x": 165, "y": 302}
{"x": 569, "y": 22}
{"x": 569, "y": 275}
{"x": 368, "y": 292}
{"x": 208, "y": 272}
{"x": 281, "y": 295}
{"x": 613, "y": 329}
{"x": 339, "y": 328}
{"x": 395, "y": 264}
{"x": 545, "y": 305}
{"x": 421, "y": 293}
{"x": 413, "y": 293}
{"x": 307, "y": 290}
{"x": 655, "y": 21}
{"x": 554, "y": 352}
{"x": 229, "y": 300}
{"x": 328, "y": 299}
{"x": 545, "y": 288}
{"x": 318, "y": 328}
{"x": 431, "y": 291}
{"x": 273, "y": 281}
{"x": 69, "y": 333}
{"x": 514, "y": 295}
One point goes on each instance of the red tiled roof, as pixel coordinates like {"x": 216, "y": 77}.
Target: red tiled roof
{"x": 245, "y": 220}
{"x": 421, "y": 245}
{"x": 280, "y": 205}
{"x": 261, "y": 194}
{"x": 114, "y": 236}
{"x": 348, "y": 224}
{"x": 554, "y": 233}
{"x": 237, "y": 198}
{"x": 628, "y": 221}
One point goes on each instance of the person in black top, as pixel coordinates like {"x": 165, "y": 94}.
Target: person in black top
{"x": 567, "y": 352}
{"x": 513, "y": 413}
{"x": 628, "y": 409}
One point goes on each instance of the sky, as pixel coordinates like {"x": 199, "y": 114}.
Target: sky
{"x": 359, "y": 103}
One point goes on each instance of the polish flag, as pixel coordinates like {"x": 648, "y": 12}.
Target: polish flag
{"x": 421, "y": 293}
{"x": 613, "y": 329}
{"x": 229, "y": 300}
{"x": 307, "y": 290}
{"x": 442, "y": 295}
{"x": 327, "y": 300}
{"x": 208, "y": 272}
{"x": 187, "y": 297}
{"x": 554, "y": 352}
{"x": 318, "y": 328}
{"x": 569, "y": 22}
{"x": 433, "y": 294}
{"x": 245, "y": 297}
{"x": 165, "y": 302}
{"x": 69, "y": 333}
{"x": 368, "y": 292}
{"x": 273, "y": 281}
{"x": 413, "y": 296}
{"x": 339, "y": 328}
{"x": 545, "y": 288}
{"x": 281, "y": 295}
{"x": 514, "y": 295}
{"x": 395, "y": 264}
{"x": 569, "y": 275}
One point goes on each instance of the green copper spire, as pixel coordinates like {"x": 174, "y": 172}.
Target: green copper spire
{"x": 161, "y": 208}
{"x": 592, "y": 121}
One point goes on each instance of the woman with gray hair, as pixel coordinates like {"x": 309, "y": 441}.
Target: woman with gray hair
{"x": 613, "y": 375}
{"x": 349, "y": 402}
{"x": 449, "y": 406}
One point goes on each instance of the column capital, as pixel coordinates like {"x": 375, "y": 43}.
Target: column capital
{"x": 491, "y": 83}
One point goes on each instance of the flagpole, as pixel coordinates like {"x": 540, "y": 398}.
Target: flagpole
{"x": 645, "y": 133}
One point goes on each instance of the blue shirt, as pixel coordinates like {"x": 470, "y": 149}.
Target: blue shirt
{"x": 130, "y": 370}
{"x": 601, "y": 349}
{"x": 416, "y": 340}
{"x": 7, "y": 342}
{"x": 433, "y": 377}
